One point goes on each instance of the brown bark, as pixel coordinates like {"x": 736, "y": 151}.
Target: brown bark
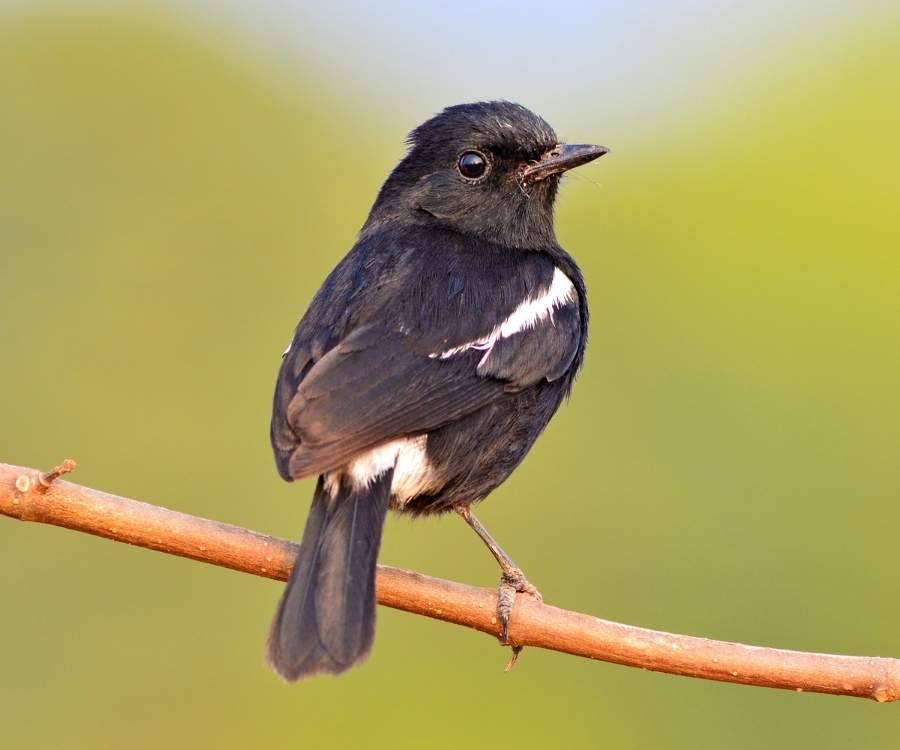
{"x": 28, "y": 495}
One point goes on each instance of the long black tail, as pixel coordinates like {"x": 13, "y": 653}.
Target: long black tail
{"x": 326, "y": 618}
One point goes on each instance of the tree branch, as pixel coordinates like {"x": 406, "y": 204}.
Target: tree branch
{"x": 28, "y": 495}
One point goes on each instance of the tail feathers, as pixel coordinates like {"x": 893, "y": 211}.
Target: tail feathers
{"x": 325, "y": 620}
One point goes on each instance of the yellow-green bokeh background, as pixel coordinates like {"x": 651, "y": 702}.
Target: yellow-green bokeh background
{"x": 728, "y": 465}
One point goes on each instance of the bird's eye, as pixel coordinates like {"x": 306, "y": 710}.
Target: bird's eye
{"x": 472, "y": 165}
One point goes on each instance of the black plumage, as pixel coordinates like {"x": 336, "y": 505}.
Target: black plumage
{"x": 427, "y": 364}
{"x": 330, "y": 597}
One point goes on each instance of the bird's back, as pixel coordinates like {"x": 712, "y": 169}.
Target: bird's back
{"x": 423, "y": 309}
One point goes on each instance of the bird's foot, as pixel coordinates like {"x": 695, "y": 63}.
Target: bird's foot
{"x": 512, "y": 582}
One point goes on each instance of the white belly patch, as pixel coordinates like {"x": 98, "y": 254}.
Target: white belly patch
{"x": 413, "y": 473}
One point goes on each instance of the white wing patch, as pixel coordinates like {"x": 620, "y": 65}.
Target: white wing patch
{"x": 527, "y": 315}
{"x": 413, "y": 473}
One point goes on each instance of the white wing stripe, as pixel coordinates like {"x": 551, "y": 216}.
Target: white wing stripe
{"x": 526, "y": 316}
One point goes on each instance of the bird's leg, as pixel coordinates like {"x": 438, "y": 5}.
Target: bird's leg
{"x": 512, "y": 580}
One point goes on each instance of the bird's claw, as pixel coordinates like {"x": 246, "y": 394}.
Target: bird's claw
{"x": 512, "y": 582}
{"x": 516, "y": 579}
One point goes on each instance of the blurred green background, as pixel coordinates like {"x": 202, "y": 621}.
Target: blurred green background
{"x": 175, "y": 182}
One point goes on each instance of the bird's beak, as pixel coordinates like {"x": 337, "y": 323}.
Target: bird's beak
{"x": 560, "y": 159}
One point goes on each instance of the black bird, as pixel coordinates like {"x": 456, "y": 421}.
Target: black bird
{"x": 427, "y": 365}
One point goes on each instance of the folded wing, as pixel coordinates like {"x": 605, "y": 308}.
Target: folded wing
{"x": 376, "y": 384}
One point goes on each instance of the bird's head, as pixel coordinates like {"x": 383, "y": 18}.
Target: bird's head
{"x": 490, "y": 170}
